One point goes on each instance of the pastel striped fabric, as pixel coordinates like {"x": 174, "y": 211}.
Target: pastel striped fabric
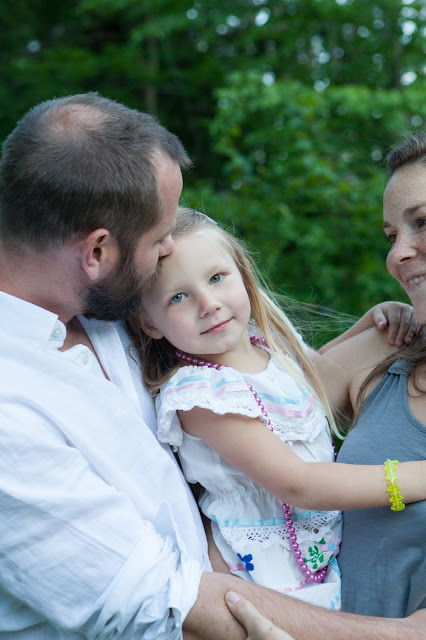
{"x": 247, "y": 521}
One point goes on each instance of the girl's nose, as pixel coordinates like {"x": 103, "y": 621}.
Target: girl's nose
{"x": 208, "y": 304}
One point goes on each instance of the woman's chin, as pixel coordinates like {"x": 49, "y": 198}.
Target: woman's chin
{"x": 420, "y": 315}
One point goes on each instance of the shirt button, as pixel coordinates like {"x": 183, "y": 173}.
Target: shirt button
{"x": 85, "y": 359}
{"x": 56, "y": 332}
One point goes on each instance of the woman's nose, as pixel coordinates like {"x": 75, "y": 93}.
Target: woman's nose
{"x": 403, "y": 249}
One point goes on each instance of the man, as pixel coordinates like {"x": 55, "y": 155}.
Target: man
{"x": 99, "y": 535}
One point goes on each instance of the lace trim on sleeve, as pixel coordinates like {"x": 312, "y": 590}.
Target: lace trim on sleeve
{"x": 221, "y": 392}
{"x": 306, "y": 429}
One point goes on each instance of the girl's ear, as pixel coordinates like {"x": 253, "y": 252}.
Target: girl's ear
{"x": 149, "y": 328}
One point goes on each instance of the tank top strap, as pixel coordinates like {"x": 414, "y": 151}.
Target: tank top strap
{"x": 401, "y": 367}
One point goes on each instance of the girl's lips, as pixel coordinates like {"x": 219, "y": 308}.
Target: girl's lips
{"x": 217, "y": 327}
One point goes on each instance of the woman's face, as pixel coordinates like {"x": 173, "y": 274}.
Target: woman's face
{"x": 404, "y": 222}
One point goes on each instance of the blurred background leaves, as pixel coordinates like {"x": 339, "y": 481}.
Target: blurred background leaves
{"x": 288, "y": 108}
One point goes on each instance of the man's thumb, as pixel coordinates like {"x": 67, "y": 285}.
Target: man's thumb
{"x": 257, "y": 626}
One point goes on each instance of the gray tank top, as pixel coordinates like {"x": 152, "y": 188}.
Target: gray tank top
{"x": 382, "y": 558}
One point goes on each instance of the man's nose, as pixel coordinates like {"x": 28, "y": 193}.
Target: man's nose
{"x": 166, "y": 247}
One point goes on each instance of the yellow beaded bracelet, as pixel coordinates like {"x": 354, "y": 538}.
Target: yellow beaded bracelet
{"x": 396, "y": 498}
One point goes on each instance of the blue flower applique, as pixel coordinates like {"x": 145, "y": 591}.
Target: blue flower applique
{"x": 247, "y": 561}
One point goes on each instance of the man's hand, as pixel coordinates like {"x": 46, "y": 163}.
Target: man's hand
{"x": 257, "y": 626}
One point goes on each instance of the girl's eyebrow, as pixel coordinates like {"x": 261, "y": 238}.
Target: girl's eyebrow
{"x": 166, "y": 292}
{"x": 175, "y": 287}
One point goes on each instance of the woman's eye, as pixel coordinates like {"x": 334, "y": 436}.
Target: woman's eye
{"x": 392, "y": 238}
{"x": 421, "y": 222}
{"x": 216, "y": 278}
{"x": 178, "y": 298}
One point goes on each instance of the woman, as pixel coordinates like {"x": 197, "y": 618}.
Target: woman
{"x": 382, "y": 558}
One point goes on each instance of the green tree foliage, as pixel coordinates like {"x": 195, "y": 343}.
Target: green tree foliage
{"x": 306, "y": 176}
{"x": 169, "y": 56}
{"x": 287, "y": 107}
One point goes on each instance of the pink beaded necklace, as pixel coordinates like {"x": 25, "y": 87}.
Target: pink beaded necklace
{"x": 309, "y": 575}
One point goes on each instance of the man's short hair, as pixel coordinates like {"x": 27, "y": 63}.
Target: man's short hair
{"x": 79, "y": 163}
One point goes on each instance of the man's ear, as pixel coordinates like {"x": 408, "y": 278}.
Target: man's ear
{"x": 99, "y": 254}
{"x": 147, "y": 326}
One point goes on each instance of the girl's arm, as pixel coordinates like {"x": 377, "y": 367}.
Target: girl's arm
{"x": 252, "y": 448}
{"x": 396, "y": 316}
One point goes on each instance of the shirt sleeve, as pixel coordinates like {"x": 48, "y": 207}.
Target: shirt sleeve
{"x": 75, "y": 550}
{"x": 220, "y": 391}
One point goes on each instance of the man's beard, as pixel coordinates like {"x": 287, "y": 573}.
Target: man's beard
{"x": 119, "y": 295}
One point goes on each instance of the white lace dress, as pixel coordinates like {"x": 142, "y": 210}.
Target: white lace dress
{"x": 247, "y": 521}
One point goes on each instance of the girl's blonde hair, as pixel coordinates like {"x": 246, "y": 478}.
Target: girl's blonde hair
{"x": 158, "y": 356}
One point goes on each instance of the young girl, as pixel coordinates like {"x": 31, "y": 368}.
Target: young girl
{"x": 239, "y": 397}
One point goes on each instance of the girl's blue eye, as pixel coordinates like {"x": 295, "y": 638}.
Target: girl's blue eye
{"x": 216, "y": 278}
{"x": 177, "y": 298}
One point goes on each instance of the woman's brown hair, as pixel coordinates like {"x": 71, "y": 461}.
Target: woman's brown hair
{"x": 411, "y": 151}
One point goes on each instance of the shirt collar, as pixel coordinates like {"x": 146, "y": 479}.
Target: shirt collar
{"x": 26, "y": 321}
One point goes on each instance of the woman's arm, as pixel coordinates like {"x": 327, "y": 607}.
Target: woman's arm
{"x": 210, "y": 619}
{"x": 343, "y": 368}
{"x": 325, "y": 624}
{"x": 396, "y": 316}
{"x": 256, "y": 625}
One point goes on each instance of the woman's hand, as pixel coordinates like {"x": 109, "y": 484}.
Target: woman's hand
{"x": 257, "y": 626}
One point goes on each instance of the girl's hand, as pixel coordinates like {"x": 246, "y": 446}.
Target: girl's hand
{"x": 257, "y": 626}
{"x": 399, "y": 319}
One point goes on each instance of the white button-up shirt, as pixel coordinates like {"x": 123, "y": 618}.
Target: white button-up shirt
{"x": 99, "y": 534}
